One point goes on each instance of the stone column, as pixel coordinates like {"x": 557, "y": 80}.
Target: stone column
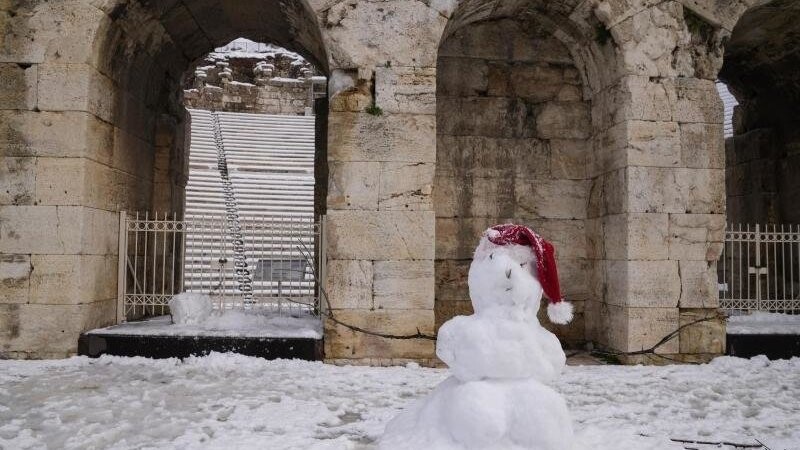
{"x": 381, "y": 155}
{"x": 660, "y": 193}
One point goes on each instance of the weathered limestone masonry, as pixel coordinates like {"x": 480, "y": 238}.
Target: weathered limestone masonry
{"x": 513, "y": 134}
{"x": 266, "y": 83}
{"x": 91, "y": 123}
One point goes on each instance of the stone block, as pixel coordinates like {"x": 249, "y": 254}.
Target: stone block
{"x": 497, "y": 117}
{"x": 596, "y": 239}
{"x": 465, "y": 196}
{"x": 63, "y": 134}
{"x": 655, "y": 144}
{"x": 536, "y": 83}
{"x": 404, "y": 284}
{"x": 706, "y": 337}
{"x": 61, "y": 181}
{"x": 575, "y": 273}
{"x": 568, "y": 158}
{"x": 551, "y": 199}
{"x": 353, "y": 185}
{"x": 17, "y": 180}
{"x": 342, "y": 342}
{"x": 451, "y": 280}
{"x": 381, "y": 235}
{"x": 697, "y": 237}
{"x": 643, "y": 284}
{"x": 18, "y": 86}
{"x": 489, "y": 157}
{"x": 456, "y": 238}
{"x": 44, "y": 329}
{"x": 610, "y": 152}
{"x": 15, "y": 272}
{"x": 406, "y": 186}
{"x": 406, "y": 89}
{"x": 568, "y": 236}
{"x": 76, "y": 87}
{"x": 134, "y": 155}
{"x": 697, "y": 191}
{"x": 563, "y": 120}
{"x": 702, "y": 146}
{"x": 349, "y": 284}
{"x": 699, "y": 287}
{"x": 636, "y": 236}
{"x": 73, "y": 279}
{"x": 695, "y": 101}
{"x": 457, "y": 76}
{"x": 393, "y": 137}
{"x": 40, "y": 229}
{"x": 647, "y": 326}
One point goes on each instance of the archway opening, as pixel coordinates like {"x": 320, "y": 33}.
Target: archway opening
{"x": 762, "y": 161}
{"x": 514, "y": 137}
{"x": 255, "y": 126}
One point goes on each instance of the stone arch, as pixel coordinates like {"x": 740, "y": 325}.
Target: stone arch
{"x": 759, "y": 68}
{"x": 100, "y": 126}
{"x": 521, "y": 88}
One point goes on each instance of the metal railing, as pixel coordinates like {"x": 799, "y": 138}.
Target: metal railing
{"x": 759, "y": 269}
{"x": 162, "y": 256}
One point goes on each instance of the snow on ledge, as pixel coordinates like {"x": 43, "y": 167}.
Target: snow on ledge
{"x": 228, "y": 324}
{"x": 760, "y": 322}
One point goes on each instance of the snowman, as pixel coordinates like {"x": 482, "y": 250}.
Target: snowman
{"x": 501, "y": 358}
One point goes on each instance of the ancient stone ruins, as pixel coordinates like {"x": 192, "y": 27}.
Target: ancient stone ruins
{"x": 595, "y": 122}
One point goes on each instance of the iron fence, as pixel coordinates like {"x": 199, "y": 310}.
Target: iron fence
{"x": 164, "y": 255}
{"x": 759, "y": 269}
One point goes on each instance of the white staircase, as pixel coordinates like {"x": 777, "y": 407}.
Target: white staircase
{"x": 270, "y": 172}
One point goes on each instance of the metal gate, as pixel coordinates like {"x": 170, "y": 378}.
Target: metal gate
{"x": 267, "y": 262}
{"x": 759, "y": 268}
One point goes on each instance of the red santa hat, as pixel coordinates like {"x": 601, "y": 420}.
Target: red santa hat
{"x": 558, "y": 310}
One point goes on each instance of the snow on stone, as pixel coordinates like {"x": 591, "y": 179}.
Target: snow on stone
{"x": 233, "y": 401}
{"x": 194, "y": 315}
{"x": 760, "y": 322}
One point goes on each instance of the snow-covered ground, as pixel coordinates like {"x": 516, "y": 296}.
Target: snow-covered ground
{"x": 233, "y": 401}
{"x": 760, "y": 322}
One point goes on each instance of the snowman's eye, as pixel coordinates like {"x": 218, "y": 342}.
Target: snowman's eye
{"x": 523, "y": 264}
{"x": 490, "y": 255}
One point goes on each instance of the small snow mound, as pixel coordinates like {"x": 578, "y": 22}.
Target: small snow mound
{"x": 190, "y": 309}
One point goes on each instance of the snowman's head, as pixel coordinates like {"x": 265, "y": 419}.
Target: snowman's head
{"x": 519, "y": 245}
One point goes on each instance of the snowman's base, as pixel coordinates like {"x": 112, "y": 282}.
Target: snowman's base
{"x": 487, "y": 414}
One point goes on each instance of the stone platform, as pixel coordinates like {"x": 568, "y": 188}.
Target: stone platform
{"x": 154, "y": 339}
{"x": 774, "y": 346}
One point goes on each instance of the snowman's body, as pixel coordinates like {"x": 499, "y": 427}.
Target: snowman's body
{"x": 500, "y": 359}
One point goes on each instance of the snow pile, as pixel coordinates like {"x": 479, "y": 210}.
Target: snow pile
{"x": 500, "y": 359}
{"x": 190, "y": 309}
{"x": 233, "y": 401}
{"x": 760, "y": 322}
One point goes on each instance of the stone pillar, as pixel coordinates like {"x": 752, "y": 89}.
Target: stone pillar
{"x": 660, "y": 206}
{"x": 381, "y": 155}
{"x": 659, "y": 198}
{"x": 64, "y": 179}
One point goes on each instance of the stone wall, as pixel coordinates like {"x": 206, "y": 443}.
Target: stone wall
{"x": 512, "y": 144}
{"x": 91, "y": 123}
